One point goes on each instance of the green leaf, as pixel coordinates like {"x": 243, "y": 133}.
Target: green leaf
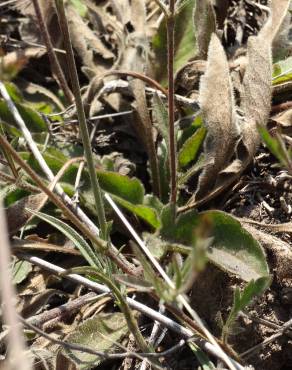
{"x": 13, "y": 92}
{"x": 274, "y": 145}
{"x": 185, "y": 43}
{"x": 80, "y": 7}
{"x": 181, "y": 229}
{"x": 282, "y": 71}
{"x": 101, "y": 333}
{"x": 92, "y": 258}
{"x": 152, "y": 201}
{"x": 146, "y": 213}
{"x": 130, "y": 189}
{"x": 20, "y": 271}
{"x": 234, "y": 249}
{"x": 32, "y": 119}
{"x": 133, "y": 282}
{"x": 160, "y": 114}
{"x": 206, "y": 363}
{"x": 242, "y": 300}
{"x": 199, "y": 164}
{"x": 190, "y": 148}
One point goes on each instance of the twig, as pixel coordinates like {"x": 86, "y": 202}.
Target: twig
{"x": 154, "y": 315}
{"x": 42, "y": 163}
{"x": 57, "y": 70}
{"x": 105, "y": 355}
{"x": 17, "y": 358}
{"x": 180, "y": 297}
{"x": 268, "y": 340}
{"x": 62, "y": 311}
{"x": 82, "y": 120}
{"x": 108, "y": 249}
{"x": 121, "y": 261}
{"x": 20, "y": 184}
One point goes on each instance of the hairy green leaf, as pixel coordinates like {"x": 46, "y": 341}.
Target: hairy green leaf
{"x": 234, "y": 249}
{"x": 101, "y": 333}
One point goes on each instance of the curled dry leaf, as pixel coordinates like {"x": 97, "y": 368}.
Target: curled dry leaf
{"x": 280, "y": 250}
{"x": 218, "y": 106}
{"x": 88, "y": 45}
{"x": 205, "y": 25}
{"x": 218, "y": 111}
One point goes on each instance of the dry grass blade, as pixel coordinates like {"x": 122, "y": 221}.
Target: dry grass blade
{"x": 17, "y": 355}
{"x": 218, "y": 112}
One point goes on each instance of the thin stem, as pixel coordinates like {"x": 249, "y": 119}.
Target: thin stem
{"x": 82, "y": 120}
{"x": 149, "y": 312}
{"x": 170, "y": 57}
{"x": 101, "y": 245}
{"x": 121, "y": 301}
{"x": 57, "y": 70}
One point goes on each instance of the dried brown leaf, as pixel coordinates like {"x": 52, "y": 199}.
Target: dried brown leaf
{"x": 205, "y": 25}
{"x": 218, "y": 112}
{"x": 279, "y": 10}
{"x": 93, "y": 53}
{"x": 31, "y": 245}
{"x": 17, "y": 214}
{"x": 257, "y": 95}
{"x": 276, "y": 228}
{"x": 280, "y": 250}
{"x": 284, "y": 119}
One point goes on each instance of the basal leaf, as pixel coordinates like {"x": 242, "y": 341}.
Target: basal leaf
{"x": 101, "y": 333}
{"x": 274, "y": 145}
{"x": 144, "y": 212}
{"x": 32, "y": 119}
{"x": 190, "y": 148}
{"x": 130, "y": 189}
{"x": 233, "y": 249}
{"x": 20, "y": 271}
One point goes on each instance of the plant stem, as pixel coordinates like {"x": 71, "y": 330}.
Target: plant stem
{"x": 123, "y": 304}
{"x": 57, "y": 70}
{"x": 82, "y": 120}
{"x": 99, "y": 243}
{"x": 172, "y": 142}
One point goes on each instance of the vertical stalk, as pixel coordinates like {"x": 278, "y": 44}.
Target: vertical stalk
{"x": 81, "y": 118}
{"x": 56, "y": 68}
{"x": 170, "y": 57}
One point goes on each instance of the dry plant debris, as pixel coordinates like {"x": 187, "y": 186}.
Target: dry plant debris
{"x": 155, "y": 232}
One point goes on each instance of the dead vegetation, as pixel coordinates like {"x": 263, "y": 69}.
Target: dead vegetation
{"x": 146, "y": 167}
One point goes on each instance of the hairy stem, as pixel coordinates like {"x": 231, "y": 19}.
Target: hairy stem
{"x": 172, "y": 142}
{"x": 82, "y": 120}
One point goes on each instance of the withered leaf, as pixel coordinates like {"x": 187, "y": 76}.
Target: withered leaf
{"x": 256, "y": 99}
{"x": 281, "y": 251}
{"x": 17, "y": 214}
{"x": 218, "y": 112}
{"x": 205, "y": 25}
{"x": 87, "y": 44}
{"x": 279, "y": 10}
